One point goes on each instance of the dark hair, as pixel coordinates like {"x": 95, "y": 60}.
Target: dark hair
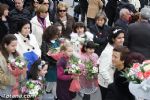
{"x": 114, "y": 33}
{"x": 3, "y": 7}
{"x": 77, "y": 25}
{"x": 124, "y": 51}
{"x": 89, "y": 44}
{"x": 23, "y": 22}
{"x": 6, "y": 41}
{"x": 133, "y": 57}
{"x": 50, "y": 33}
{"x": 35, "y": 68}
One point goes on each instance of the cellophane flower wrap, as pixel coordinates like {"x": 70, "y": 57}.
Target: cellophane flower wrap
{"x": 139, "y": 80}
{"x": 90, "y": 70}
{"x": 75, "y": 68}
{"x": 33, "y": 88}
{"x": 18, "y": 62}
{"x": 138, "y": 72}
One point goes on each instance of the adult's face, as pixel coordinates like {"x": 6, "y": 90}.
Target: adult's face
{"x": 19, "y": 4}
{"x": 119, "y": 40}
{"x": 46, "y": 2}
{"x": 62, "y": 11}
{"x": 25, "y": 30}
{"x": 127, "y": 16}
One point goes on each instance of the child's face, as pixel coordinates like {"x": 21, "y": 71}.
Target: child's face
{"x": 43, "y": 71}
{"x": 25, "y": 30}
{"x": 100, "y": 21}
{"x": 80, "y": 30}
{"x": 90, "y": 50}
{"x": 69, "y": 51}
{"x": 116, "y": 60}
{"x": 12, "y": 46}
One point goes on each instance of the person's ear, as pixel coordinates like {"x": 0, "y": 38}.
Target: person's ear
{"x": 5, "y": 45}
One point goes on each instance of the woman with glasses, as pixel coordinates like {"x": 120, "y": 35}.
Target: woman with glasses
{"x": 40, "y": 22}
{"x": 106, "y": 70}
{"x": 64, "y": 19}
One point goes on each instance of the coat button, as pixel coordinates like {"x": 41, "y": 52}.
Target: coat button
{"x": 33, "y": 48}
{"x": 28, "y": 49}
{"x": 25, "y": 41}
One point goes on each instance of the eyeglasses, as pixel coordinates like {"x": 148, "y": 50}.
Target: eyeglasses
{"x": 62, "y": 10}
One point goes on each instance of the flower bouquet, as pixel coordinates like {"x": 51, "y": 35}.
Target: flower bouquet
{"x": 74, "y": 68}
{"x": 90, "y": 70}
{"x": 139, "y": 77}
{"x": 17, "y": 67}
{"x": 33, "y": 89}
{"x": 54, "y": 50}
{"x": 18, "y": 62}
{"x": 88, "y": 79}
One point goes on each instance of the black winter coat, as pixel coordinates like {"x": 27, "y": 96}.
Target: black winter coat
{"x": 100, "y": 37}
{"x": 119, "y": 90}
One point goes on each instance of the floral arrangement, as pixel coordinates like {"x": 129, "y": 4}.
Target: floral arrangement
{"x": 138, "y": 72}
{"x": 90, "y": 70}
{"x": 75, "y": 65}
{"x": 32, "y": 88}
{"x": 54, "y": 50}
{"x": 18, "y": 62}
{"x": 79, "y": 40}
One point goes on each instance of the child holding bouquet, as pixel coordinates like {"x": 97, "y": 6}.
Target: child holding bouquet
{"x": 79, "y": 36}
{"x": 9, "y": 83}
{"x": 88, "y": 80}
{"x": 35, "y": 85}
{"x": 50, "y": 45}
{"x": 64, "y": 78}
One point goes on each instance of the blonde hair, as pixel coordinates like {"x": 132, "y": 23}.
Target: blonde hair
{"x": 61, "y": 5}
{"x": 42, "y": 8}
{"x": 65, "y": 45}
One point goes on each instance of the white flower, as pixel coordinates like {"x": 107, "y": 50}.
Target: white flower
{"x": 95, "y": 70}
{"x": 33, "y": 92}
{"x": 146, "y": 68}
{"x": 22, "y": 63}
{"x": 73, "y": 65}
{"x": 12, "y": 60}
{"x": 79, "y": 62}
{"x": 17, "y": 63}
{"x": 37, "y": 88}
{"x": 73, "y": 71}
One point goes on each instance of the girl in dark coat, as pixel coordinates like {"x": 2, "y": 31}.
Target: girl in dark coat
{"x": 50, "y": 42}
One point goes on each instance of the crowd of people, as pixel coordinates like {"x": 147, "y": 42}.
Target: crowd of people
{"x": 39, "y": 37}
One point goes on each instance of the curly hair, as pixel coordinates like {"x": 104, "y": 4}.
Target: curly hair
{"x": 133, "y": 57}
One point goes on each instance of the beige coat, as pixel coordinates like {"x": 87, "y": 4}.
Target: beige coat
{"x": 6, "y": 78}
{"x": 95, "y": 6}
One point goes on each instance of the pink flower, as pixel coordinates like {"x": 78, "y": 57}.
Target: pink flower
{"x": 146, "y": 62}
{"x": 136, "y": 66}
{"x": 147, "y": 74}
{"x": 140, "y": 75}
{"x": 24, "y": 89}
